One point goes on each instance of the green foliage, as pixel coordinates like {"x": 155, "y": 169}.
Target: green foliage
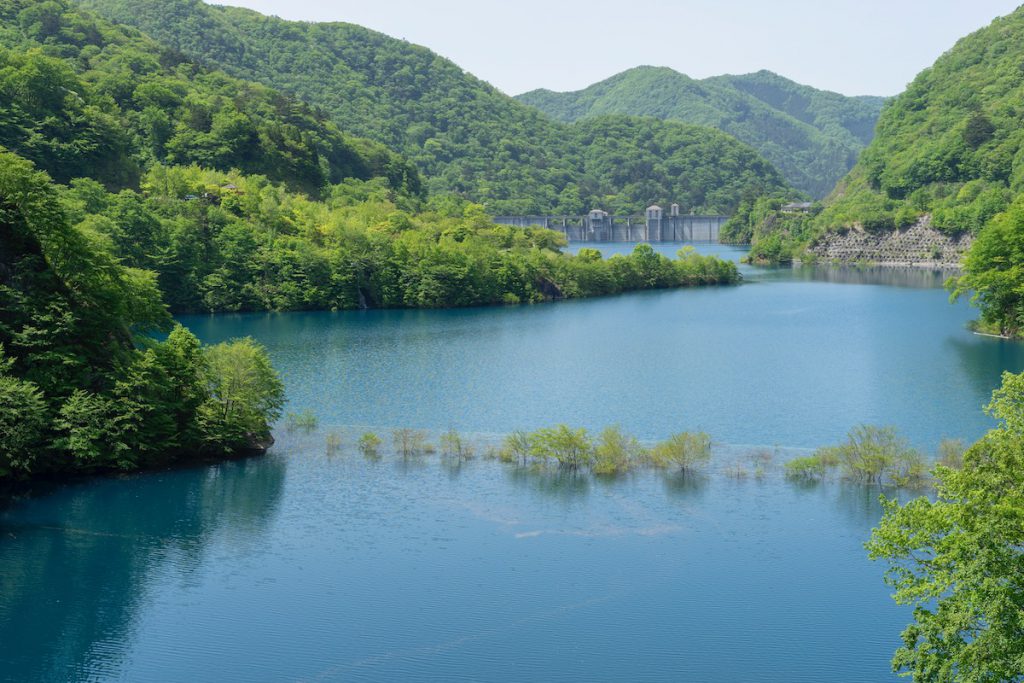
{"x": 516, "y": 448}
{"x": 775, "y": 235}
{"x": 80, "y": 97}
{"x": 993, "y": 271}
{"x": 957, "y": 559}
{"x": 455, "y": 446}
{"x": 465, "y": 136}
{"x": 229, "y": 242}
{"x": 82, "y": 387}
{"x": 809, "y": 468}
{"x": 369, "y": 445}
{"x": 870, "y": 455}
{"x": 245, "y": 394}
{"x": 812, "y": 136}
{"x": 685, "y": 451}
{"x": 23, "y": 422}
{"x": 951, "y": 453}
{"x": 571, "y": 449}
{"x": 951, "y": 145}
{"x": 306, "y": 420}
{"x": 616, "y": 452}
{"x": 408, "y": 442}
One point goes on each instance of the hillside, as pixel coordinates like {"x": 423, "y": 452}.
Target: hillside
{"x": 84, "y": 97}
{"x": 464, "y": 135}
{"x": 812, "y": 136}
{"x": 951, "y": 146}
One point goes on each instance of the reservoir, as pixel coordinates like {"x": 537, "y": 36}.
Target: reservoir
{"x": 311, "y": 565}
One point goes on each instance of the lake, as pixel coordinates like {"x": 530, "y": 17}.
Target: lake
{"x": 309, "y": 566}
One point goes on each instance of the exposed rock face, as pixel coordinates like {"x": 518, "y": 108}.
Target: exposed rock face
{"x": 917, "y": 246}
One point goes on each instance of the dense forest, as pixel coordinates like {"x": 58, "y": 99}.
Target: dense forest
{"x": 812, "y": 136}
{"x": 134, "y": 182}
{"x": 951, "y": 145}
{"x": 83, "y": 387}
{"x": 230, "y": 242}
{"x": 464, "y": 136}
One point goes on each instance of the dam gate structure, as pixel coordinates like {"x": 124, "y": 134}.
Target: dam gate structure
{"x": 653, "y": 226}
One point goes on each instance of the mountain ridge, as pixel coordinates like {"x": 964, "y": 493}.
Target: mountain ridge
{"x": 813, "y": 136}
{"x": 464, "y": 135}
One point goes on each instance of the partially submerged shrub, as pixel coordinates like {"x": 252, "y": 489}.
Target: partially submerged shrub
{"x": 453, "y": 445}
{"x": 408, "y": 442}
{"x": 616, "y": 452}
{"x": 306, "y": 420}
{"x": 369, "y": 445}
{"x": 685, "y": 451}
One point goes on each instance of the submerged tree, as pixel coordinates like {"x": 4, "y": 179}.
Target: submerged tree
{"x": 959, "y": 560}
{"x": 685, "y": 451}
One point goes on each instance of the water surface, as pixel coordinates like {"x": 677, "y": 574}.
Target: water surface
{"x": 794, "y": 358}
{"x": 304, "y": 566}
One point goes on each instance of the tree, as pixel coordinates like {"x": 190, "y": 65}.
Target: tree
{"x": 993, "y": 271}
{"x": 572, "y": 449}
{"x": 245, "y": 395}
{"x": 23, "y": 420}
{"x": 959, "y": 560}
{"x": 685, "y": 451}
{"x": 616, "y": 452}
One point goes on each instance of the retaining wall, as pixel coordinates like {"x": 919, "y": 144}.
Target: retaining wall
{"x": 917, "y": 246}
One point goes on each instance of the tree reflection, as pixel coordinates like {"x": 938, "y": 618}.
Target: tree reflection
{"x": 75, "y": 564}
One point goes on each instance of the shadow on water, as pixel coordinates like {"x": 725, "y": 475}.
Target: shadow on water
{"x": 74, "y": 569}
{"x": 983, "y": 360}
{"x": 915, "y": 278}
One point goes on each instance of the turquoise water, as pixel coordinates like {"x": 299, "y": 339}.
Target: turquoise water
{"x": 306, "y": 566}
{"x": 790, "y": 358}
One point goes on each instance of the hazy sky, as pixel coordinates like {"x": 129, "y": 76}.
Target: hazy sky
{"x": 857, "y": 47}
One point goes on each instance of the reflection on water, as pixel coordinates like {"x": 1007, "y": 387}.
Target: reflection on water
{"x": 918, "y": 278}
{"x": 305, "y": 565}
{"x": 74, "y": 565}
{"x": 793, "y": 356}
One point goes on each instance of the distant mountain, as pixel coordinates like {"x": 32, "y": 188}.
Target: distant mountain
{"x": 464, "y": 135}
{"x": 812, "y": 136}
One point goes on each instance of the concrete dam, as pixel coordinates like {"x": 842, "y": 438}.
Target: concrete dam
{"x": 653, "y": 226}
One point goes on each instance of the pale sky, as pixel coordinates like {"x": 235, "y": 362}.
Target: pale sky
{"x": 856, "y": 47}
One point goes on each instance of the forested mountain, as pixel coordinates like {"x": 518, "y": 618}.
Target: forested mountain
{"x": 80, "y": 96}
{"x": 184, "y": 188}
{"x": 812, "y": 136}
{"x": 951, "y": 146}
{"x": 464, "y": 135}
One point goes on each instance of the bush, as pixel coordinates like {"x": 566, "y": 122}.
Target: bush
{"x": 810, "y": 468}
{"x": 306, "y": 420}
{"x": 23, "y": 419}
{"x": 245, "y": 394}
{"x": 517, "y": 447}
{"x": 572, "y": 449}
{"x": 369, "y": 445}
{"x": 408, "y": 442}
{"x": 454, "y": 446}
{"x": 616, "y": 452}
{"x": 685, "y": 451}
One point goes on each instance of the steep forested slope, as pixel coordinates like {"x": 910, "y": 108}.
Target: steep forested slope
{"x": 80, "y": 96}
{"x": 464, "y": 135}
{"x": 80, "y": 389}
{"x": 812, "y": 136}
{"x": 952, "y": 145}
